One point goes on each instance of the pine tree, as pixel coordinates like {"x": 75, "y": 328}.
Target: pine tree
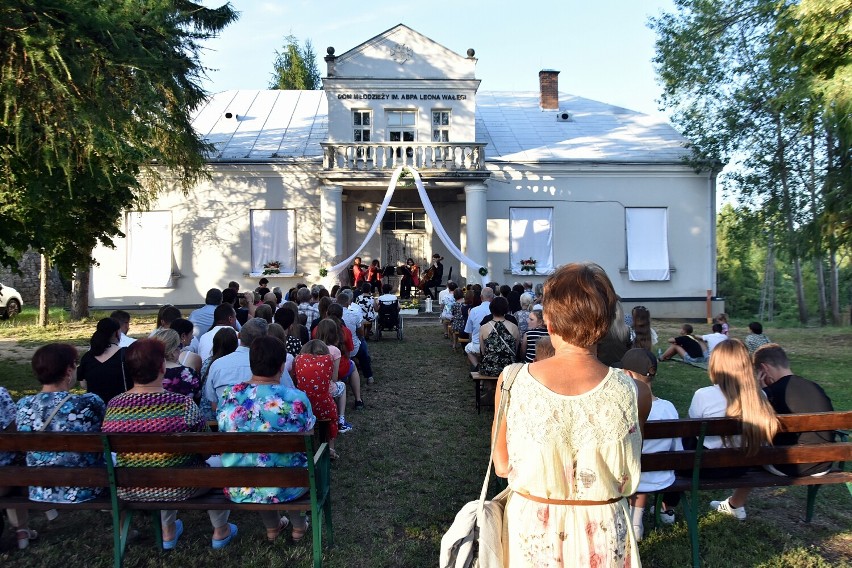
{"x": 295, "y": 68}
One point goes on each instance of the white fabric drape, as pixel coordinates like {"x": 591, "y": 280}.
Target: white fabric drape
{"x": 149, "y": 249}
{"x": 273, "y": 238}
{"x": 531, "y": 234}
{"x": 430, "y": 212}
{"x": 647, "y": 243}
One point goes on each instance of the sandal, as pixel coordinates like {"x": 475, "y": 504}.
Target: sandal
{"x": 299, "y": 535}
{"x": 24, "y": 537}
{"x": 273, "y": 534}
{"x": 333, "y": 454}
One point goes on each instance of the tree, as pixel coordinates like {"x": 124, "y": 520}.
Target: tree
{"x": 97, "y": 100}
{"x": 295, "y": 68}
{"x": 742, "y": 86}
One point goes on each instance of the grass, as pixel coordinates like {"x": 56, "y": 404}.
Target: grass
{"x": 418, "y": 453}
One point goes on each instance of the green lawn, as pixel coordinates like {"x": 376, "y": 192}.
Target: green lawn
{"x": 418, "y": 453}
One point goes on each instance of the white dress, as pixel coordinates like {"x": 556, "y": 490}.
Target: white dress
{"x": 585, "y": 447}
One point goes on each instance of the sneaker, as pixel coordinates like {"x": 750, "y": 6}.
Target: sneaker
{"x": 667, "y": 516}
{"x": 738, "y": 513}
{"x": 638, "y": 532}
{"x": 370, "y": 380}
{"x": 359, "y": 405}
{"x": 344, "y": 427}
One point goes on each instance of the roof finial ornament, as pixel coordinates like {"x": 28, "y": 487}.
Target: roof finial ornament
{"x": 470, "y": 52}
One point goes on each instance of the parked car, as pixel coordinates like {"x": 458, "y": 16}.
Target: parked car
{"x": 10, "y": 302}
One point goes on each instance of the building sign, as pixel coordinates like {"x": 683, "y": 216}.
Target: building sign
{"x": 402, "y": 96}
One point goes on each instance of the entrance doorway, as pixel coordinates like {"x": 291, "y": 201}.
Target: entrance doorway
{"x": 403, "y": 237}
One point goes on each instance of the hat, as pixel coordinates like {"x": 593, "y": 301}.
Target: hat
{"x": 639, "y": 361}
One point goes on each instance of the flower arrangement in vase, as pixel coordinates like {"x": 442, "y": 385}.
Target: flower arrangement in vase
{"x": 272, "y": 267}
{"x": 528, "y": 265}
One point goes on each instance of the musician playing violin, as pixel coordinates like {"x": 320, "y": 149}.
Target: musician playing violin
{"x": 359, "y": 273}
{"x": 433, "y": 276}
{"x": 410, "y": 278}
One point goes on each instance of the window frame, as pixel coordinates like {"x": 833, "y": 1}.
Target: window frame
{"x": 288, "y": 259}
{"x": 441, "y": 130}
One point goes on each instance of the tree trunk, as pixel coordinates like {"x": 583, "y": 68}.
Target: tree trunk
{"x": 823, "y": 304}
{"x": 791, "y": 227}
{"x": 42, "y": 292}
{"x": 834, "y": 285}
{"x": 80, "y": 294}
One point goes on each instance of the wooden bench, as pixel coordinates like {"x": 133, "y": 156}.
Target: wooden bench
{"x": 315, "y": 476}
{"x": 701, "y": 458}
{"x": 459, "y": 340}
{"x": 478, "y": 381}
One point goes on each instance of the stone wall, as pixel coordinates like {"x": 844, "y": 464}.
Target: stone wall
{"x": 27, "y": 283}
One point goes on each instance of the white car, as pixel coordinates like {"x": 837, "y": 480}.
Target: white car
{"x": 10, "y": 302}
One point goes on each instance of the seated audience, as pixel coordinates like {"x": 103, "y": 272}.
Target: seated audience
{"x": 178, "y": 378}
{"x": 617, "y": 340}
{"x": 544, "y": 349}
{"x": 310, "y": 311}
{"x": 57, "y": 409}
{"x": 101, "y": 369}
{"x": 734, "y": 393}
{"x": 787, "y": 393}
{"x": 167, "y": 314}
{"x": 641, "y": 365}
{"x": 690, "y": 348}
{"x": 315, "y": 373}
{"x": 643, "y": 335}
{"x": 755, "y": 338}
{"x": 18, "y": 518}
{"x": 202, "y": 318}
{"x": 225, "y": 342}
{"x": 723, "y": 320}
{"x": 223, "y": 316}
{"x": 148, "y": 407}
{"x": 447, "y": 300}
{"x": 715, "y": 338}
{"x": 333, "y": 333}
{"x": 458, "y": 308}
{"x": 474, "y": 323}
{"x": 264, "y": 404}
{"x": 498, "y": 339}
{"x": 276, "y": 331}
{"x": 351, "y": 316}
{"x": 535, "y": 330}
{"x": 188, "y": 355}
{"x": 123, "y": 318}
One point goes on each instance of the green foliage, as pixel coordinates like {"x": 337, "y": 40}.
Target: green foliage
{"x": 97, "y": 98}
{"x": 295, "y": 68}
{"x": 739, "y": 260}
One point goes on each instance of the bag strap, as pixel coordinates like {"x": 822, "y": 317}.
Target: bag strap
{"x": 510, "y": 373}
{"x": 55, "y": 410}
{"x": 123, "y": 376}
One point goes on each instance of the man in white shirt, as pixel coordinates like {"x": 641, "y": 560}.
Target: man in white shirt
{"x": 715, "y": 338}
{"x": 123, "y": 319}
{"x": 474, "y": 320}
{"x": 223, "y": 316}
{"x": 235, "y": 368}
{"x": 202, "y": 318}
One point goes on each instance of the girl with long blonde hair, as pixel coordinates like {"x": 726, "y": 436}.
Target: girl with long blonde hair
{"x": 734, "y": 393}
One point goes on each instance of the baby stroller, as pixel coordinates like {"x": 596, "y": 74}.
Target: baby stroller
{"x": 389, "y": 319}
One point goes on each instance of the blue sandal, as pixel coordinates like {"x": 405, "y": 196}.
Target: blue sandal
{"x": 171, "y": 544}
{"x": 217, "y": 544}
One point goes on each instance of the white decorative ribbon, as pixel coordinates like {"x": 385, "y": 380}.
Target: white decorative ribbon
{"x": 430, "y": 211}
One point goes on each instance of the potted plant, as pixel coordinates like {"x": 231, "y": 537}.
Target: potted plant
{"x": 272, "y": 267}
{"x": 528, "y": 265}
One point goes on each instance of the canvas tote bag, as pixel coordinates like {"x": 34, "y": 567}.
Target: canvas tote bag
{"x": 477, "y": 538}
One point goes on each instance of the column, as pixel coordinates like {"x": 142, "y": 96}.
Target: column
{"x": 476, "y": 209}
{"x": 331, "y": 222}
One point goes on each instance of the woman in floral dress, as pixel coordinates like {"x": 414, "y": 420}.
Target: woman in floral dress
{"x": 17, "y": 517}
{"x": 263, "y": 405}
{"x": 55, "y": 409}
{"x": 570, "y": 444}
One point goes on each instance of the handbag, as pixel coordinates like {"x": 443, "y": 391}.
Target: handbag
{"x": 478, "y": 537}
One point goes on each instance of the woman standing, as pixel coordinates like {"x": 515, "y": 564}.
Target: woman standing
{"x": 374, "y": 277}
{"x": 101, "y": 368}
{"x": 571, "y": 437}
{"x": 55, "y": 409}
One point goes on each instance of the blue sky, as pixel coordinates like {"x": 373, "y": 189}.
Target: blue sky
{"x": 603, "y": 50}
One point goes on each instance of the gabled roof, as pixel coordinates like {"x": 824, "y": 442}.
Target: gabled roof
{"x": 273, "y": 126}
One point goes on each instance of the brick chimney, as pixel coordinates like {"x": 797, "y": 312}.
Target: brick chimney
{"x": 548, "y": 81}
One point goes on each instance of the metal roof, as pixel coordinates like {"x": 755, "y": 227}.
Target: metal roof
{"x": 260, "y": 126}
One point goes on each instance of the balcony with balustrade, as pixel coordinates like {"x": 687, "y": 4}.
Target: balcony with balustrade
{"x": 370, "y": 165}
